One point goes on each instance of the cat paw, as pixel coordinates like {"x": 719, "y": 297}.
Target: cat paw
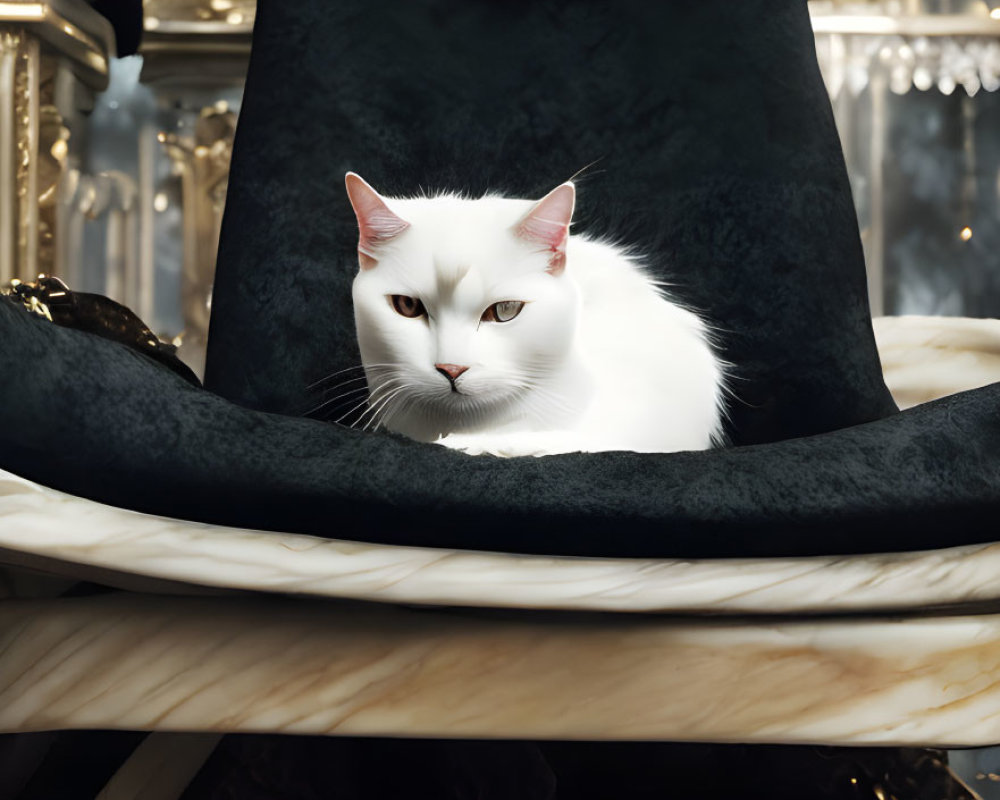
{"x": 470, "y": 445}
{"x": 509, "y": 445}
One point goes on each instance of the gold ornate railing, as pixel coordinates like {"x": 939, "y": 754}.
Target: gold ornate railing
{"x": 53, "y": 57}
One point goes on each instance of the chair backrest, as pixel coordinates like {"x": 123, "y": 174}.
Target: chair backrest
{"x": 712, "y": 149}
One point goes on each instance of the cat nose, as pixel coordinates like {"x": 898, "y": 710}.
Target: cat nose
{"x": 450, "y": 371}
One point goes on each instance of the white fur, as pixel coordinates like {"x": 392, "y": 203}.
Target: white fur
{"x": 599, "y": 358}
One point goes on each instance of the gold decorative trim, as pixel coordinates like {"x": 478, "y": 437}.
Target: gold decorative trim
{"x": 186, "y": 40}
{"x": 178, "y": 32}
{"x": 26, "y": 104}
{"x": 185, "y": 27}
{"x": 73, "y": 28}
{"x": 34, "y": 295}
{"x": 230, "y": 13}
{"x": 10, "y": 43}
{"x": 18, "y": 59}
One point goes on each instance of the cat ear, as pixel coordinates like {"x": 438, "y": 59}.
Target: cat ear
{"x": 376, "y": 223}
{"x": 547, "y": 223}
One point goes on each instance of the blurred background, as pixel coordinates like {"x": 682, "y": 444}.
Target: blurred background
{"x": 114, "y": 170}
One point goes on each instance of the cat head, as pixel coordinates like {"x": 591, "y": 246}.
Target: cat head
{"x": 463, "y": 308}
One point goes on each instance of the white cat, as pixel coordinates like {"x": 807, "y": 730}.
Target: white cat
{"x": 484, "y": 326}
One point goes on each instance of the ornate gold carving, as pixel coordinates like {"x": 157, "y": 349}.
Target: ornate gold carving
{"x": 187, "y": 40}
{"x": 34, "y": 295}
{"x": 11, "y": 41}
{"x": 233, "y": 12}
{"x": 19, "y": 64}
{"x": 35, "y": 149}
{"x": 71, "y": 28}
{"x": 202, "y": 161}
{"x": 52, "y": 157}
{"x": 40, "y": 44}
{"x": 26, "y": 97}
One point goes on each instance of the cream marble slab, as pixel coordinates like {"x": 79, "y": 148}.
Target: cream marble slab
{"x": 924, "y": 358}
{"x": 247, "y": 664}
{"x": 40, "y": 522}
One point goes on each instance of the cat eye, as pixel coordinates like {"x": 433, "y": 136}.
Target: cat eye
{"x": 504, "y": 311}
{"x": 407, "y": 306}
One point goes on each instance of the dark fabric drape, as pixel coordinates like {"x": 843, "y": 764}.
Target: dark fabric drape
{"x": 95, "y": 419}
{"x": 711, "y": 146}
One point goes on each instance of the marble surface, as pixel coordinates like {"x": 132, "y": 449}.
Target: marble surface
{"x": 62, "y": 532}
{"x": 924, "y": 358}
{"x": 275, "y": 664}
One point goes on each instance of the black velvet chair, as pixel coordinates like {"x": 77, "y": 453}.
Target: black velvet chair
{"x": 720, "y": 161}
{"x": 713, "y": 150}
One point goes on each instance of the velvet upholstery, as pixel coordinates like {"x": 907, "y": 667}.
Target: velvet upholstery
{"x": 713, "y": 152}
{"x": 94, "y": 418}
{"x": 720, "y": 161}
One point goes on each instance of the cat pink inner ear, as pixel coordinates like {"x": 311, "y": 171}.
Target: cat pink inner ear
{"x": 547, "y": 223}
{"x": 377, "y": 224}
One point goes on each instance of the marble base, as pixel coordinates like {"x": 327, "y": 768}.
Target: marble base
{"x": 278, "y": 665}
{"x": 46, "y": 529}
{"x": 924, "y": 358}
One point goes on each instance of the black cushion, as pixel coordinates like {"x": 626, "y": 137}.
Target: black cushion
{"x": 93, "y": 418}
{"x": 713, "y": 148}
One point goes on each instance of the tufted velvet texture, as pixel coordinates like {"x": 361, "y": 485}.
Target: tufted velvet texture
{"x": 713, "y": 147}
{"x": 93, "y": 418}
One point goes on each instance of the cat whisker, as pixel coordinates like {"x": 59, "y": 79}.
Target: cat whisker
{"x": 333, "y": 401}
{"x": 379, "y": 376}
{"x": 382, "y": 403}
{"x": 368, "y": 386}
{"x": 343, "y": 385}
{"x": 332, "y": 375}
{"x": 367, "y": 401}
{"x": 377, "y": 392}
{"x": 583, "y": 169}
{"x": 400, "y": 408}
{"x": 321, "y": 381}
{"x": 378, "y": 417}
